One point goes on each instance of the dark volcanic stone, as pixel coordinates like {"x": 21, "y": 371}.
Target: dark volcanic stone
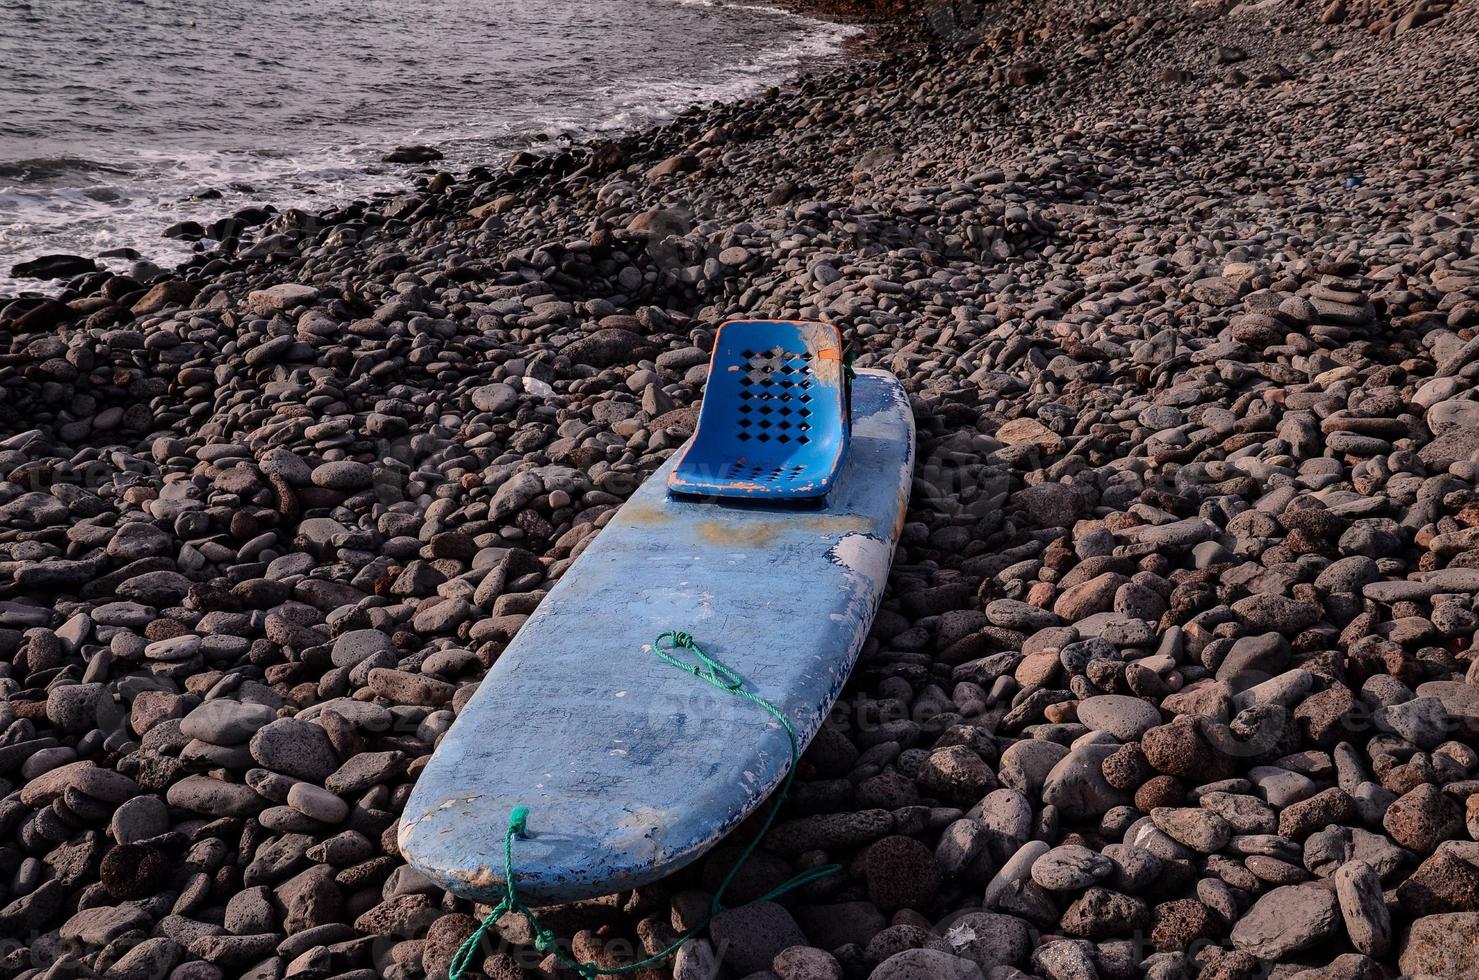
{"x": 1299, "y": 820}
{"x": 1127, "y": 768}
{"x": 295, "y": 748}
{"x": 1442, "y": 946}
{"x": 54, "y": 266}
{"x": 1287, "y": 920}
{"x": 606, "y": 347}
{"x": 1179, "y": 749}
{"x": 990, "y": 940}
{"x": 1442, "y": 883}
{"x": 134, "y": 871}
{"x": 1101, "y": 914}
{"x": 754, "y": 935}
{"x": 901, "y": 873}
{"x": 412, "y": 154}
{"x": 1423, "y": 818}
{"x": 1178, "y": 924}
{"x": 841, "y": 924}
{"x": 830, "y": 831}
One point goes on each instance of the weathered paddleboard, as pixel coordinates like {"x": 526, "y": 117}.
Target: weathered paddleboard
{"x": 631, "y": 768}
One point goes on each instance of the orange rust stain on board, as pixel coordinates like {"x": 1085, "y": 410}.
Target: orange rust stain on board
{"x": 761, "y": 534}
{"x": 645, "y": 515}
{"x": 731, "y": 535}
{"x": 749, "y": 529}
{"x": 743, "y": 528}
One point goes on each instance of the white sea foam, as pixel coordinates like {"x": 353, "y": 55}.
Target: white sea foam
{"x": 133, "y": 150}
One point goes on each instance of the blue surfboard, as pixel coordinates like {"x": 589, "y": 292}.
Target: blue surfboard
{"x": 631, "y": 768}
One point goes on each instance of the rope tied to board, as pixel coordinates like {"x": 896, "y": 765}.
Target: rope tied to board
{"x": 669, "y": 647}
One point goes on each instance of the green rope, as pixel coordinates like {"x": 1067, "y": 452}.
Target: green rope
{"x": 712, "y": 672}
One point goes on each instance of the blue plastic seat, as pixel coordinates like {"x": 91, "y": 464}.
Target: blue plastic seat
{"x": 774, "y": 424}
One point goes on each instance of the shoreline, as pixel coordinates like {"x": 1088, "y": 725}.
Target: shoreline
{"x": 243, "y": 220}
{"x": 1177, "y": 670}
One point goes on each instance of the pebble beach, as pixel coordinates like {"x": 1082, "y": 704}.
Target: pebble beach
{"x": 1176, "y": 672}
